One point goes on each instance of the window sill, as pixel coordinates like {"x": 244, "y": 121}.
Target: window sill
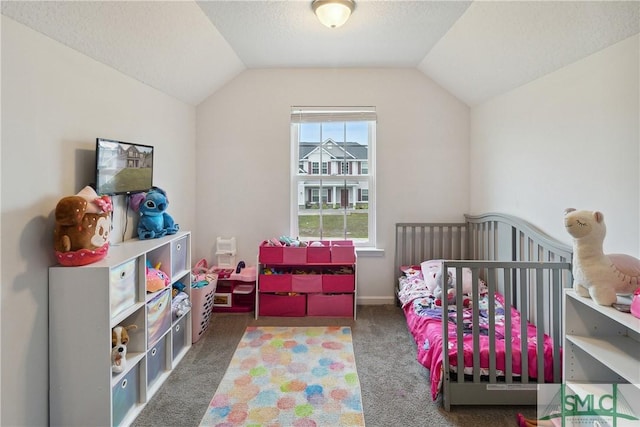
{"x": 369, "y": 252}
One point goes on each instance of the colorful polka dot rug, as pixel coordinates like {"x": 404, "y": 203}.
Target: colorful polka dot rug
{"x": 289, "y": 377}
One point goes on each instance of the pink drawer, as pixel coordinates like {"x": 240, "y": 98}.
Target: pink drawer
{"x": 282, "y": 305}
{"x": 294, "y": 255}
{"x": 343, "y": 251}
{"x": 274, "y": 283}
{"x": 270, "y": 254}
{"x": 337, "y": 305}
{"x": 319, "y": 254}
{"x": 306, "y": 283}
{"x": 338, "y": 283}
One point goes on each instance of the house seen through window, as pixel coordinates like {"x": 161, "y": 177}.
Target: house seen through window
{"x": 332, "y": 180}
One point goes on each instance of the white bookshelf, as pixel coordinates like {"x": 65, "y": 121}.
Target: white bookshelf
{"x": 85, "y": 303}
{"x": 601, "y": 345}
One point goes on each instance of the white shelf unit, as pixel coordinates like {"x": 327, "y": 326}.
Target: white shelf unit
{"x": 601, "y": 345}
{"x": 86, "y": 302}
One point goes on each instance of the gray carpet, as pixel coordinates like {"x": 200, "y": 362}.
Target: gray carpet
{"x": 395, "y": 387}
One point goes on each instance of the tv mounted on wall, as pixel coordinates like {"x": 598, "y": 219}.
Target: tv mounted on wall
{"x": 123, "y": 167}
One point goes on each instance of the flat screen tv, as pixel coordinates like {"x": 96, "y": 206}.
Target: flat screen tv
{"x": 123, "y": 167}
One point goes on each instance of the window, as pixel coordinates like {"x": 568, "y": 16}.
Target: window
{"x": 333, "y": 173}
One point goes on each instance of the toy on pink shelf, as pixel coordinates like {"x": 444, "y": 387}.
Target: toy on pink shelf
{"x": 596, "y": 274}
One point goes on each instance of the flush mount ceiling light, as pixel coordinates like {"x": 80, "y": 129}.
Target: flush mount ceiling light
{"x": 333, "y": 13}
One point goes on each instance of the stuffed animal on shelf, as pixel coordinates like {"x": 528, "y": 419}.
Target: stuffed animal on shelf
{"x": 596, "y": 274}
{"x": 156, "y": 278}
{"x": 82, "y": 227}
{"x": 119, "y": 341}
{"x": 154, "y": 221}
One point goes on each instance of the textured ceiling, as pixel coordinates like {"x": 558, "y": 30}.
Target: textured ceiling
{"x": 189, "y": 49}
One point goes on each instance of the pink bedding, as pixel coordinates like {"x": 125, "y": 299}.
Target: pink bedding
{"x": 424, "y": 319}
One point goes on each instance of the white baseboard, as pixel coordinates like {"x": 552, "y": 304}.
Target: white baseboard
{"x": 375, "y": 300}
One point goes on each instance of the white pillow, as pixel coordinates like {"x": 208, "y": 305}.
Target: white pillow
{"x": 430, "y": 270}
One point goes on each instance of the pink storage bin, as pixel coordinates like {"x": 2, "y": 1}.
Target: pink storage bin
{"x": 294, "y": 255}
{"x": 306, "y": 283}
{"x": 333, "y": 283}
{"x": 343, "y": 251}
{"x": 635, "y": 304}
{"x": 282, "y": 305}
{"x": 275, "y": 283}
{"x": 319, "y": 254}
{"x": 270, "y": 254}
{"x": 338, "y": 305}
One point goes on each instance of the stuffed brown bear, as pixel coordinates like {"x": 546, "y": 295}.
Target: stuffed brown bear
{"x": 81, "y": 234}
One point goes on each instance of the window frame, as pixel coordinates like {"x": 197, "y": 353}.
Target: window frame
{"x": 343, "y": 114}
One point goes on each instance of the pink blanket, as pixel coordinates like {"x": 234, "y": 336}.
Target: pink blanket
{"x": 424, "y": 320}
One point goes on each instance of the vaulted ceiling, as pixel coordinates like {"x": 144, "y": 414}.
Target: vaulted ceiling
{"x": 189, "y": 49}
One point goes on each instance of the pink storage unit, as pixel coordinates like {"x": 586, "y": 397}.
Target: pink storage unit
{"x": 282, "y": 305}
{"x": 306, "y": 283}
{"x": 319, "y": 254}
{"x": 336, "y": 305}
{"x": 343, "y": 251}
{"x": 294, "y": 255}
{"x": 275, "y": 282}
{"x": 270, "y": 254}
{"x": 334, "y": 283}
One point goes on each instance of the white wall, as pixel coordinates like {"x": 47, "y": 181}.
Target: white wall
{"x": 55, "y": 102}
{"x": 244, "y": 149}
{"x": 569, "y": 139}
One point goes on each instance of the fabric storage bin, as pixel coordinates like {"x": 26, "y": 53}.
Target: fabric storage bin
{"x": 158, "y": 316}
{"x": 270, "y": 254}
{"x": 201, "y": 307}
{"x": 275, "y": 283}
{"x": 179, "y": 256}
{"x": 319, "y": 254}
{"x": 337, "y": 305}
{"x": 156, "y": 360}
{"x": 122, "y": 286}
{"x": 179, "y": 335}
{"x": 306, "y": 283}
{"x": 282, "y": 305}
{"x": 125, "y": 395}
{"x": 333, "y": 283}
{"x": 343, "y": 251}
{"x": 294, "y": 255}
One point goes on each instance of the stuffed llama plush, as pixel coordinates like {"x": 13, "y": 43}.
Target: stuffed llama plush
{"x": 595, "y": 274}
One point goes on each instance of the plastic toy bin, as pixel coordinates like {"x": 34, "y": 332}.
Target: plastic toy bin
{"x": 282, "y": 305}
{"x": 337, "y": 305}
{"x": 201, "y": 307}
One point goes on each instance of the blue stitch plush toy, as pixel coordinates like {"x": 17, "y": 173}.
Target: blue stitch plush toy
{"x": 154, "y": 221}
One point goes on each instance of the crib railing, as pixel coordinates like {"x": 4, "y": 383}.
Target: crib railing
{"x": 534, "y": 289}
